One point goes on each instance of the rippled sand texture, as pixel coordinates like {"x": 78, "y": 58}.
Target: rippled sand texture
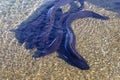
{"x": 97, "y": 41}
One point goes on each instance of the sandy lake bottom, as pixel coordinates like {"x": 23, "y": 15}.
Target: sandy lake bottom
{"x": 98, "y": 41}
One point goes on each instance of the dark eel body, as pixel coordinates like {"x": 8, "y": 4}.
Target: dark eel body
{"x": 53, "y": 39}
{"x": 67, "y": 47}
{"x": 51, "y": 31}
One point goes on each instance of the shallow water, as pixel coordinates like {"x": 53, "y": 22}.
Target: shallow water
{"x": 97, "y": 41}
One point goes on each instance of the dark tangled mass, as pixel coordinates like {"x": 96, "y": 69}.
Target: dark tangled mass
{"x": 51, "y": 31}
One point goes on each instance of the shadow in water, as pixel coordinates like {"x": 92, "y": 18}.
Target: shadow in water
{"x": 111, "y": 5}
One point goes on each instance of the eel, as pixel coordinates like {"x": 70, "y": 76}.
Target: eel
{"x": 53, "y": 40}
{"x": 51, "y": 47}
{"x": 60, "y": 3}
{"x": 51, "y": 31}
{"x": 67, "y": 48}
